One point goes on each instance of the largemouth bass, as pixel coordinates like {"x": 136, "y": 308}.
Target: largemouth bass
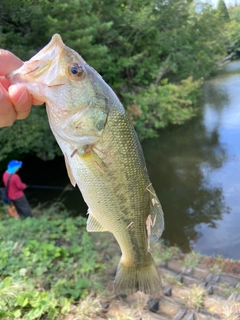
{"x": 103, "y": 157}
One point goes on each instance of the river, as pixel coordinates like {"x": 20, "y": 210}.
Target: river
{"x": 194, "y": 169}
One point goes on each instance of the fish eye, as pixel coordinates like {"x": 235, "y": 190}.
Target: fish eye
{"x": 75, "y": 71}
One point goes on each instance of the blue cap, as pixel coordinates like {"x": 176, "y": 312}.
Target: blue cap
{"x": 13, "y": 165}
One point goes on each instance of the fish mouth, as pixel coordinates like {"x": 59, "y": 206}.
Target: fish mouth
{"x": 43, "y": 67}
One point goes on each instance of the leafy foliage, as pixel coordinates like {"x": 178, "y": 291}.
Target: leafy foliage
{"x": 163, "y": 104}
{"x": 141, "y": 48}
{"x": 223, "y": 10}
{"x": 45, "y": 264}
{"x": 232, "y": 29}
{"x": 79, "y": 24}
{"x": 23, "y": 26}
{"x": 29, "y": 136}
{"x": 149, "y": 42}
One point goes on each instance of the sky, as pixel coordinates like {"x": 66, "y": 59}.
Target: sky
{"x": 228, "y": 2}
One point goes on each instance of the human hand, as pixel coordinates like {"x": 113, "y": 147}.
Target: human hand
{"x": 15, "y": 100}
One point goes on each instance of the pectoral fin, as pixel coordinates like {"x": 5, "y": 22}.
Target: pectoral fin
{"x": 155, "y": 220}
{"x": 93, "y": 225}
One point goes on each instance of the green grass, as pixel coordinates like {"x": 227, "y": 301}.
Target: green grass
{"x": 192, "y": 259}
{"x": 161, "y": 252}
{"x": 171, "y": 279}
{"x": 194, "y": 298}
{"x": 219, "y": 264}
{"x": 46, "y": 264}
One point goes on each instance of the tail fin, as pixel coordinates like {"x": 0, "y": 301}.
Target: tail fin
{"x": 129, "y": 280}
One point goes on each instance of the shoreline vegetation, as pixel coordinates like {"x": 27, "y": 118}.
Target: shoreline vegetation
{"x": 51, "y": 268}
{"x": 155, "y": 57}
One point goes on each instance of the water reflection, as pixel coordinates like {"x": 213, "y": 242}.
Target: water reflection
{"x": 175, "y": 166}
{"x": 225, "y": 239}
{"x": 215, "y": 96}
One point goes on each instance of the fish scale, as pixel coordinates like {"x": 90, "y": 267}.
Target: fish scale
{"x": 103, "y": 157}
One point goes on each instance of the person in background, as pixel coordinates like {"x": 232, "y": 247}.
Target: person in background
{"x": 16, "y": 188}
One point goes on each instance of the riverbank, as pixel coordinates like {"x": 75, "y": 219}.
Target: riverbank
{"x": 51, "y": 268}
{"x": 194, "y": 287}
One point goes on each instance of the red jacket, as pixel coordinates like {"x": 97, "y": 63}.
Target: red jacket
{"x": 15, "y": 186}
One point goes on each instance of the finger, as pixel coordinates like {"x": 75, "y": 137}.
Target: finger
{"x": 4, "y": 82}
{"x": 21, "y": 100}
{"x": 8, "y": 62}
{"x": 7, "y": 112}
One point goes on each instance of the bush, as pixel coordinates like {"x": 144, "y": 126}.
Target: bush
{"x": 160, "y": 105}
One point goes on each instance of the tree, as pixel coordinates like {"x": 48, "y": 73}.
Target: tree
{"x": 223, "y": 10}
{"x": 23, "y": 26}
{"x": 151, "y": 43}
{"x": 232, "y": 29}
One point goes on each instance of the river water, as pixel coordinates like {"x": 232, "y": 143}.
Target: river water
{"x": 194, "y": 169}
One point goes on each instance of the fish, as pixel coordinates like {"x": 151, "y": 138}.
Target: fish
{"x": 103, "y": 157}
